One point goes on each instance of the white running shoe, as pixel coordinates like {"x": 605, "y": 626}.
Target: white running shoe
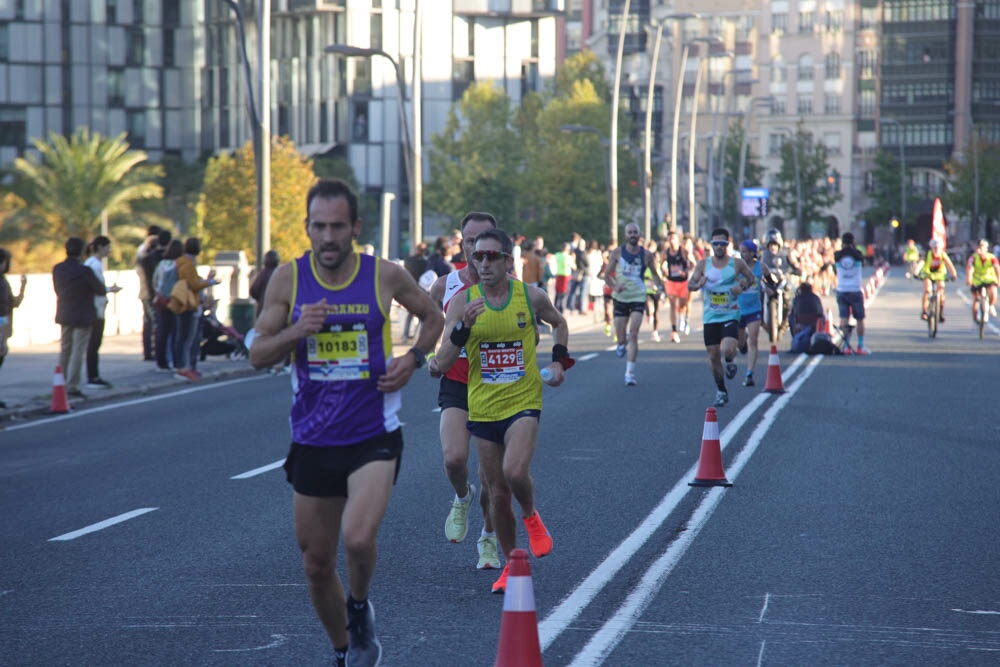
{"x": 630, "y": 380}
{"x": 655, "y": 336}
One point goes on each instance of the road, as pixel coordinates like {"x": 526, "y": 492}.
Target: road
{"x": 861, "y": 527}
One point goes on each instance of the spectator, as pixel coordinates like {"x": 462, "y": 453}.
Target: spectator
{"x": 806, "y": 309}
{"x": 532, "y": 266}
{"x": 75, "y": 286}
{"x": 98, "y": 251}
{"x": 438, "y": 261}
{"x": 577, "y": 284}
{"x": 259, "y": 286}
{"x": 186, "y": 352}
{"x": 148, "y": 246}
{"x": 416, "y": 265}
{"x": 8, "y": 302}
{"x": 565, "y": 266}
{"x": 164, "y": 278}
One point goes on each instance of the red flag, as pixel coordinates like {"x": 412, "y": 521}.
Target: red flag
{"x": 939, "y": 229}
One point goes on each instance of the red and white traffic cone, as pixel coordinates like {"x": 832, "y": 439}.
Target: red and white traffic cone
{"x": 710, "y": 472}
{"x": 519, "y": 645}
{"x": 60, "y": 403}
{"x": 774, "y": 384}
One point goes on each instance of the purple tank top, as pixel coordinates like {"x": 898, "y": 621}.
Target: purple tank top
{"x": 335, "y": 399}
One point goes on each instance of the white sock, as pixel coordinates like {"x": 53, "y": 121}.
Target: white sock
{"x": 630, "y": 367}
{"x": 483, "y": 533}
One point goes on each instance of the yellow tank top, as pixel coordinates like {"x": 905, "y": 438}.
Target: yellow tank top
{"x": 503, "y": 373}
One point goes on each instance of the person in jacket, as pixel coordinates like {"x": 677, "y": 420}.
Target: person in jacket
{"x": 8, "y": 302}
{"x": 75, "y": 286}
{"x": 97, "y": 252}
{"x": 188, "y": 324}
{"x": 164, "y": 278}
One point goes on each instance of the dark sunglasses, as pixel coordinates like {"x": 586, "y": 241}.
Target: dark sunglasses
{"x": 488, "y": 255}
{"x": 720, "y": 244}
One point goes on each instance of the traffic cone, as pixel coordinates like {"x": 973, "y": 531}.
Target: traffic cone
{"x": 59, "y": 402}
{"x": 828, "y": 329}
{"x": 710, "y": 472}
{"x": 773, "y": 384}
{"x": 519, "y": 646}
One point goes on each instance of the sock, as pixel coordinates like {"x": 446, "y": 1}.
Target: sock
{"x": 483, "y": 533}
{"x": 673, "y": 328}
{"x": 861, "y": 340}
{"x": 465, "y": 498}
{"x": 340, "y": 655}
{"x": 749, "y": 374}
{"x": 630, "y": 367}
{"x": 721, "y": 384}
{"x": 356, "y": 605}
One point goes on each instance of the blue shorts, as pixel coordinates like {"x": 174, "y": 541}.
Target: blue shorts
{"x": 849, "y": 303}
{"x": 747, "y": 318}
{"x": 495, "y": 431}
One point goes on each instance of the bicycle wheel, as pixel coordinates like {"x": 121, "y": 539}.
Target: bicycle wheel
{"x": 932, "y": 315}
{"x": 984, "y": 312}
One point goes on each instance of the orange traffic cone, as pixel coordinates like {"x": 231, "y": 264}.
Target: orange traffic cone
{"x": 828, "y": 328}
{"x": 773, "y": 384}
{"x": 710, "y": 472}
{"x": 59, "y": 401}
{"x": 519, "y": 646}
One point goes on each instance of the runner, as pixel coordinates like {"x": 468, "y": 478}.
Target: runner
{"x": 721, "y": 314}
{"x": 624, "y": 276}
{"x": 750, "y": 311}
{"x": 496, "y": 321}
{"x": 454, "y": 402}
{"x": 679, "y": 262}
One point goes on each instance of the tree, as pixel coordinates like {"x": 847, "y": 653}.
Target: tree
{"x": 753, "y": 172}
{"x": 70, "y": 184}
{"x": 476, "y": 161}
{"x": 801, "y": 190}
{"x": 885, "y": 195}
{"x": 961, "y": 196}
{"x": 227, "y": 207}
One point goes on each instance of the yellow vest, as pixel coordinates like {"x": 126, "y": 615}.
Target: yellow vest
{"x": 503, "y": 373}
{"x": 982, "y": 269}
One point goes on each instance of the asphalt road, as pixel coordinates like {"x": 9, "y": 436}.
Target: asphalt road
{"x": 861, "y": 527}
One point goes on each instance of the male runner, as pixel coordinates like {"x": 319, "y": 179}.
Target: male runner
{"x": 454, "y": 402}
{"x": 624, "y": 276}
{"x": 330, "y": 309}
{"x": 679, "y": 262}
{"x": 750, "y": 311}
{"x": 496, "y": 323}
{"x": 721, "y": 312}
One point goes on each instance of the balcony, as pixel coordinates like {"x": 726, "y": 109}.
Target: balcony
{"x": 523, "y": 8}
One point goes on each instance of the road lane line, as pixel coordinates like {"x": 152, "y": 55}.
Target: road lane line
{"x": 259, "y": 471}
{"x": 138, "y": 401}
{"x": 101, "y": 525}
{"x": 587, "y": 357}
{"x": 611, "y": 633}
{"x": 573, "y": 604}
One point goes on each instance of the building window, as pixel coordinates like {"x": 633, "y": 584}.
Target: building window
{"x": 529, "y": 77}
{"x": 4, "y": 43}
{"x": 169, "y": 54}
{"x": 376, "y": 30}
{"x": 867, "y": 62}
{"x": 13, "y": 128}
{"x": 779, "y": 23}
{"x": 807, "y": 22}
{"x": 778, "y": 74}
{"x": 778, "y": 106}
{"x": 138, "y": 12}
{"x": 805, "y": 72}
{"x": 135, "y": 55}
{"x": 774, "y": 143}
{"x": 362, "y": 77}
{"x": 835, "y": 20}
{"x": 867, "y": 103}
{"x": 804, "y": 105}
{"x": 135, "y": 125}
{"x": 111, "y": 12}
{"x": 359, "y": 133}
{"x": 832, "y": 142}
{"x": 833, "y": 65}
{"x": 831, "y": 104}
{"x": 171, "y": 14}
{"x": 116, "y": 87}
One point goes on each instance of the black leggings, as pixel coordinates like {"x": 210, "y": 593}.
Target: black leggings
{"x": 96, "y": 336}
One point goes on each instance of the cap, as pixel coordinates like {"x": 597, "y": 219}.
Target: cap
{"x": 749, "y": 245}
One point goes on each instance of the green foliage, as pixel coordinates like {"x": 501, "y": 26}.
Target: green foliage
{"x": 885, "y": 196}
{"x": 66, "y": 188}
{"x": 753, "y": 171}
{"x": 809, "y": 192}
{"x": 582, "y": 66}
{"x": 962, "y": 196}
{"x": 227, "y": 206}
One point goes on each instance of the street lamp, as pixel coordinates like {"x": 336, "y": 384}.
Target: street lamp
{"x": 902, "y": 171}
{"x": 678, "y": 93}
{"x": 798, "y": 178}
{"x": 261, "y": 122}
{"x": 745, "y": 144}
{"x": 413, "y": 171}
{"x": 616, "y": 94}
{"x": 647, "y": 156}
{"x": 722, "y": 153}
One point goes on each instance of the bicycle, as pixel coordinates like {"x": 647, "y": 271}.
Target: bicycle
{"x": 983, "y": 311}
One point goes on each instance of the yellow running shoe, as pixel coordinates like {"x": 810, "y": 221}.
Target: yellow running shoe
{"x": 489, "y": 558}
{"x": 456, "y": 526}
{"x": 538, "y": 536}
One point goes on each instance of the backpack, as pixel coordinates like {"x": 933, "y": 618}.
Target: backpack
{"x": 800, "y": 341}
{"x": 822, "y": 343}
{"x": 167, "y": 279}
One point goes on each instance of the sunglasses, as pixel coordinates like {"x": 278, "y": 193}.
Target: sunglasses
{"x": 720, "y": 244}
{"x": 488, "y": 255}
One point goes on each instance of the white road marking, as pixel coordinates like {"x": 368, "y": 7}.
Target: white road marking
{"x": 611, "y": 633}
{"x": 259, "y": 471}
{"x": 279, "y": 640}
{"x": 990, "y": 324}
{"x": 560, "y": 618}
{"x": 101, "y": 525}
{"x": 138, "y": 401}
{"x": 587, "y": 357}
{"x": 987, "y": 612}
{"x": 763, "y": 611}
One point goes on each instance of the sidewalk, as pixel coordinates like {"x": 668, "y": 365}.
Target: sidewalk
{"x": 27, "y": 374}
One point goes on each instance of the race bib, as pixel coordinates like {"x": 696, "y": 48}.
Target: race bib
{"x": 340, "y": 353}
{"x": 501, "y": 363}
{"x": 718, "y": 300}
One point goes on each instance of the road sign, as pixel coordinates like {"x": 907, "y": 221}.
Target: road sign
{"x": 753, "y": 202}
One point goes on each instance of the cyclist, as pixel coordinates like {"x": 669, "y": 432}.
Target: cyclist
{"x": 983, "y": 269}
{"x": 934, "y": 269}
{"x": 912, "y": 257}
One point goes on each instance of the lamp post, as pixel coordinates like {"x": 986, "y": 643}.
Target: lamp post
{"x": 647, "y": 143}
{"x": 745, "y": 143}
{"x": 613, "y": 144}
{"x": 798, "y": 177}
{"x": 902, "y": 171}
{"x": 260, "y": 122}
{"x": 722, "y": 153}
{"x": 678, "y": 93}
{"x": 413, "y": 171}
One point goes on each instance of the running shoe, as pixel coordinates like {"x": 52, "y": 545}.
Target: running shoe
{"x": 748, "y": 381}
{"x": 655, "y": 336}
{"x": 675, "y": 337}
{"x": 863, "y": 351}
{"x": 846, "y": 350}
{"x": 489, "y": 558}
{"x": 743, "y": 348}
{"x": 98, "y": 383}
{"x": 630, "y": 380}
{"x": 363, "y": 649}
{"x": 721, "y": 398}
{"x": 941, "y": 318}
{"x": 993, "y": 311}
{"x": 607, "y": 330}
{"x": 730, "y": 370}
{"x": 500, "y": 585}
{"x": 923, "y": 315}
{"x": 456, "y": 526}
{"x": 620, "y": 351}
{"x": 686, "y": 327}
{"x": 538, "y": 537}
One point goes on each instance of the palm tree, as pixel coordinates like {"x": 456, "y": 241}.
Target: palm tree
{"x": 66, "y": 187}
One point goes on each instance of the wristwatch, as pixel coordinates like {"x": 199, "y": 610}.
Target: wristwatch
{"x": 419, "y": 355}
